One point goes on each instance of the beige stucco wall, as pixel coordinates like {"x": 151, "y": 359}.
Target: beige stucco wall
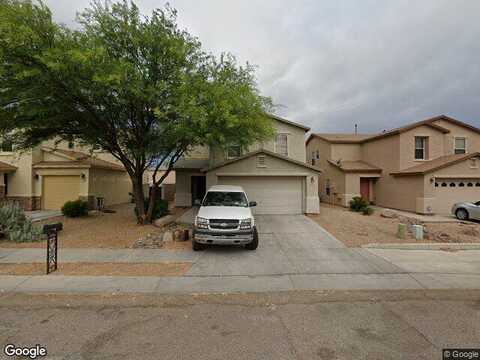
{"x": 473, "y": 138}
{"x": 295, "y": 140}
{"x": 114, "y": 186}
{"x": 407, "y": 145}
{"x": 183, "y": 187}
{"x": 351, "y": 152}
{"x": 20, "y": 182}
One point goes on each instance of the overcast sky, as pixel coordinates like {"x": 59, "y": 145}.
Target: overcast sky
{"x": 331, "y": 64}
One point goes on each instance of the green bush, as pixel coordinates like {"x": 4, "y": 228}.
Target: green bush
{"x": 358, "y": 204}
{"x": 76, "y": 208}
{"x": 367, "y": 211}
{"x": 16, "y": 227}
{"x": 160, "y": 208}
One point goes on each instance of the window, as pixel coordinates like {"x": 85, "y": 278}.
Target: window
{"x": 444, "y": 184}
{"x": 460, "y": 145}
{"x": 71, "y": 145}
{"x": 261, "y": 161}
{"x": 5, "y": 183}
{"x": 452, "y": 184}
{"x": 318, "y": 154}
{"x": 6, "y": 145}
{"x": 470, "y": 184}
{"x": 233, "y": 151}
{"x": 436, "y": 184}
{"x": 420, "y": 147}
{"x": 281, "y": 144}
{"x": 461, "y": 184}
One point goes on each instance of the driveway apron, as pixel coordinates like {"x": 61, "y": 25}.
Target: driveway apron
{"x": 289, "y": 245}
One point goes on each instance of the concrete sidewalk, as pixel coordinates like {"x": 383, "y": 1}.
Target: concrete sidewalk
{"x": 235, "y": 284}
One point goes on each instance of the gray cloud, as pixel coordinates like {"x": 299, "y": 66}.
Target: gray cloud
{"x": 330, "y": 64}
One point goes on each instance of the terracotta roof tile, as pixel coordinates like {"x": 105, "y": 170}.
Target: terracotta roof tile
{"x": 435, "y": 164}
{"x": 355, "y": 166}
{"x": 4, "y": 167}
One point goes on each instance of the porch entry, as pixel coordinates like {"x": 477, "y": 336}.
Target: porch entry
{"x": 199, "y": 188}
{"x": 365, "y": 188}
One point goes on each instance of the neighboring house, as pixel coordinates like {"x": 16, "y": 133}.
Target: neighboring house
{"x": 274, "y": 174}
{"x": 424, "y": 167}
{"x": 49, "y": 175}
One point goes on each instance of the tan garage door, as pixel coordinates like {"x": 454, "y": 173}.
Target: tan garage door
{"x": 451, "y": 191}
{"x": 59, "y": 189}
{"x": 274, "y": 195}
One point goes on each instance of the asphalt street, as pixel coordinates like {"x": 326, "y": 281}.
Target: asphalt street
{"x": 414, "y": 324}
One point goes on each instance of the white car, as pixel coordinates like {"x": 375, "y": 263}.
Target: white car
{"x": 225, "y": 218}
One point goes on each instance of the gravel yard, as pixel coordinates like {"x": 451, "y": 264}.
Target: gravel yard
{"x": 355, "y": 229}
{"x": 100, "y": 230}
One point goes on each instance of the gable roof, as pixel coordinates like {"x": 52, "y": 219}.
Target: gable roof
{"x": 278, "y": 118}
{"x": 75, "y": 159}
{"x": 4, "y": 167}
{"x": 363, "y": 138}
{"x": 355, "y": 166}
{"x": 266, "y": 152}
{"x": 435, "y": 164}
{"x": 337, "y": 138}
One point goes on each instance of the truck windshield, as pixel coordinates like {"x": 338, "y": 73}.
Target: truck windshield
{"x": 217, "y": 198}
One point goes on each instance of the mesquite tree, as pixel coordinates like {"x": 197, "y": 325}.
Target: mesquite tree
{"x": 136, "y": 86}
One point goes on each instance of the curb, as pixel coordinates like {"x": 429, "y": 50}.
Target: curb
{"x": 424, "y": 246}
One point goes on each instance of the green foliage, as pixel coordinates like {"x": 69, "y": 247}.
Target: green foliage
{"x": 15, "y": 226}
{"x": 160, "y": 208}
{"x": 135, "y": 85}
{"x": 76, "y": 208}
{"x": 367, "y": 211}
{"x": 358, "y": 204}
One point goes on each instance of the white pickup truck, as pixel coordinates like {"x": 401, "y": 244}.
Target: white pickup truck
{"x": 225, "y": 218}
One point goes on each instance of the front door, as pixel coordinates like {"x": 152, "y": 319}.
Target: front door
{"x": 365, "y": 188}
{"x": 199, "y": 187}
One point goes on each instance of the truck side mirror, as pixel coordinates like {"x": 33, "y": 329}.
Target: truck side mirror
{"x": 252, "y": 204}
{"x": 197, "y": 202}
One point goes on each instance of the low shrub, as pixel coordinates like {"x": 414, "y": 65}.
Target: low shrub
{"x": 76, "y": 208}
{"x": 16, "y": 227}
{"x": 357, "y": 204}
{"x": 367, "y": 211}
{"x": 160, "y": 208}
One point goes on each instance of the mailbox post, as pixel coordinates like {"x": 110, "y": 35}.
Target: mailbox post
{"x": 51, "y": 231}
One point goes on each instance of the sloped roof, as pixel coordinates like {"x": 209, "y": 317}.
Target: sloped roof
{"x": 77, "y": 160}
{"x": 355, "y": 166}
{"x": 4, "y": 167}
{"x": 262, "y": 151}
{"x": 435, "y": 164}
{"x": 276, "y": 117}
{"x": 363, "y": 138}
{"x": 337, "y": 138}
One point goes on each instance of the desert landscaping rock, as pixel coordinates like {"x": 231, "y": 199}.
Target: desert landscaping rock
{"x": 389, "y": 214}
{"x": 166, "y": 220}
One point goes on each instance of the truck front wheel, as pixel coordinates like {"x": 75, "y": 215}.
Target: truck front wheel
{"x": 254, "y": 244}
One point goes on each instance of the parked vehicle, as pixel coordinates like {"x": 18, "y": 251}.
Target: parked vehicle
{"x": 467, "y": 210}
{"x": 225, "y": 218}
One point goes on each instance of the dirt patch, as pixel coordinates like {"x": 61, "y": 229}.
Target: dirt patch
{"x": 98, "y": 230}
{"x": 354, "y": 229}
{"x": 100, "y": 269}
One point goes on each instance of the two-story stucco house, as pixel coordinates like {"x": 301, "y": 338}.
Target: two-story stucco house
{"x": 49, "y": 175}
{"x": 274, "y": 173}
{"x": 424, "y": 167}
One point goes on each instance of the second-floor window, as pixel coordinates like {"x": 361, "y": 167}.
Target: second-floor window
{"x": 233, "y": 151}
{"x": 281, "y": 144}
{"x": 460, "y": 145}
{"x": 421, "y": 147}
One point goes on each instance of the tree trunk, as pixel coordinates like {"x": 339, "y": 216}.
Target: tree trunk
{"x": 137, "y": 183}
{"x": 151, "y": 203}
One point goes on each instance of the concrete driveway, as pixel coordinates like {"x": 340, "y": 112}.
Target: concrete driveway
{"x": 289, "y": 245}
